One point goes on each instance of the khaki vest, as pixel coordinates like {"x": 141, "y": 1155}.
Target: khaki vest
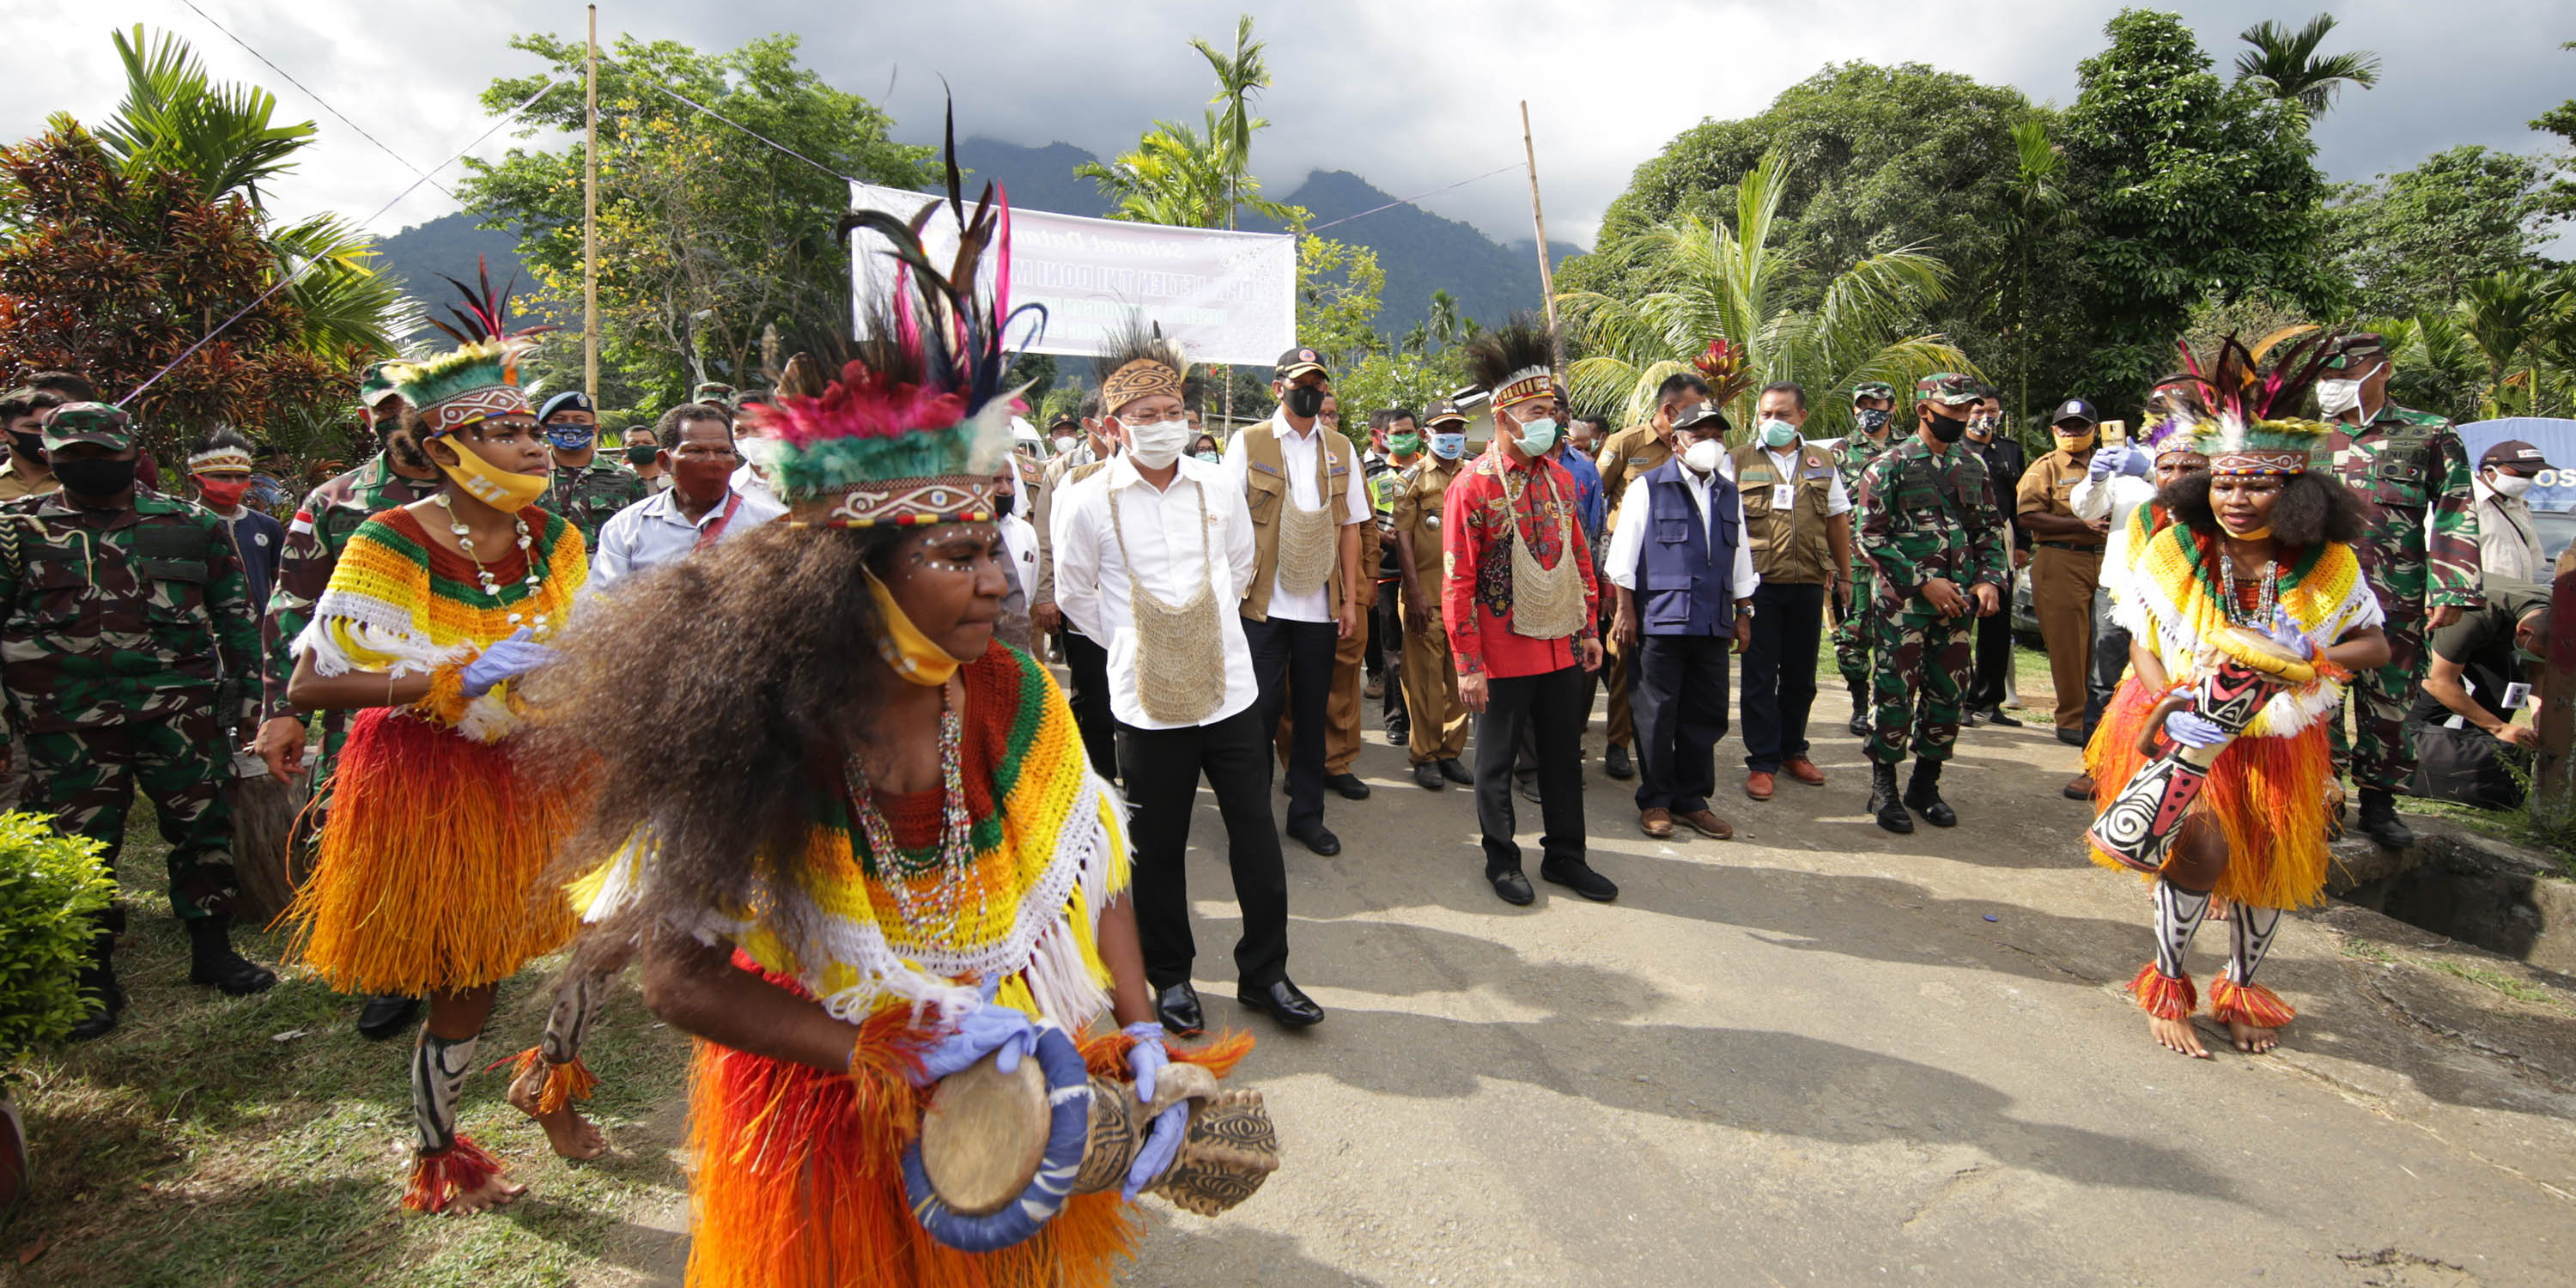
{"x": 1265, "y": 491}
{"x": 1788, "y": 547}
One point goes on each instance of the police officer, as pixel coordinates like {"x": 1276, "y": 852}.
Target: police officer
{"x": 1931, "y": 535}
{"x": 1438, "y": 719}
{"x": 2067, "y": 565}
{"x": 127, "y": 650}
{"x": 2404, "y": 465}
{"x": 585, "y": 490}
{"x": 1873, "y": 407}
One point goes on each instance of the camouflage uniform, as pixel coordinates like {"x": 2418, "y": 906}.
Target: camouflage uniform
{"x": 1851, "y": 631}
{"x": 127, "y": 651}
{"x": 589, "y": 496}
{"x": 313, "y": 543}
{"x": 2402, "y": 464}
{"x": 1923, "y": 515}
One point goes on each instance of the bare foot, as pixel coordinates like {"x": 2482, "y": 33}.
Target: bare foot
{"x": 2220, "y": 909}
{"x": 571, "y": 1135}
{"x": 2251, "y": 1040}
{"x": 2177, "y": 1035}
{"x": 495, "y": 1191}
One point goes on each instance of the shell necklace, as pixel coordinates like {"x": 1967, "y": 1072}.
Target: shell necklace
{"x": 491, "y": 584}
{"x": 929, "y": 915}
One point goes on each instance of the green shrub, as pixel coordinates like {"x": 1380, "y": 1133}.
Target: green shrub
{"x": 50, "y": 888}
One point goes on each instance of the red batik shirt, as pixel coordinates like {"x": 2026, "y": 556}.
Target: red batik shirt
{"x": 1476, "y": 587}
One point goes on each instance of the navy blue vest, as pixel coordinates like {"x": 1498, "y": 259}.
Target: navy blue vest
{"x": 1682, "y": 573}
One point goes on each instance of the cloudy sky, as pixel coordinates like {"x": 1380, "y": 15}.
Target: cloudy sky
{"x": 1411, "y": 95}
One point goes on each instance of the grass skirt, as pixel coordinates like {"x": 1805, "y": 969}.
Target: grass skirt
{"x": 2266, "y": 794}
{"x": 429, "y": 874}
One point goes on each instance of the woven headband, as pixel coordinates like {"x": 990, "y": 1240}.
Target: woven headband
{"x": 900, "y": 503}
{"x": 1534, "y": 382}
{"x": 219, "y": 458}
{"x": 452, "y": 414}
{"x": 1142, "y": 378}
{"x": 2257, "y": 464}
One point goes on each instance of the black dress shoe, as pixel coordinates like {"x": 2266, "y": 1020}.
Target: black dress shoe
{"x": 2071, "y": 737}
{"x": 1398, "y": 736}
{"x": 1283, "y": 1002}
{"x": 1428, "y": 777}
{"x": 1614, "y": 762}
{"x": 1318, "y": 838}
{"x": 1512, "y": 886}
{"x": 1529, "y": 790}
{"x": 386, "y": 1015}
{"x": 1349, "y": 785}
{"x": 1456, "y": 773}
{"x": 1974, "y": 716}
{"x": 1579, "y": 877}
{"x": 1178, "y": 1008}
{"x": 1997, "y": 718}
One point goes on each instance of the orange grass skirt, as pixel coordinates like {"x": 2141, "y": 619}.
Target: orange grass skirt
{"x": 2267, "y": 794}
{"x": 429, "y": 877}
{"x": 798, "y": 1179}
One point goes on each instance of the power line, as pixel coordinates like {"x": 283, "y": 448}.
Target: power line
{"x": 308, "y": 93}
{"x": 1407, "y": 201}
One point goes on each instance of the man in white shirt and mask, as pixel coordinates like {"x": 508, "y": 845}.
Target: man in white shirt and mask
{"x": 2508, "y": 546}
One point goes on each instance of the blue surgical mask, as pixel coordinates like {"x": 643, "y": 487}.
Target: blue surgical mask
{"x": 1212, "y": 458}
{"x": 1777, "y": 433}
{"x": 569, "y": 436}
{"x": 1449, "y": 447}
{"x": 1537, "y": 437}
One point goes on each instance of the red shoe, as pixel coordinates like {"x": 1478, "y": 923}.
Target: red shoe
{"x": 1758, "y": 785}
{"x": 1804, "y": 770}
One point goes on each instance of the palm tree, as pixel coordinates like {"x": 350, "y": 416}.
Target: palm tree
{"x": 2288, "y": 62}
{"x": 1230, "y": 129}
{"x": 175, "y": 117}
{"x": 1729, "y": 281}
{"x": 345, "y": 301}
{"x": 1177, "y": 175}
{"x": 2034, "y": 205}
{"x": 2503, "y": 315}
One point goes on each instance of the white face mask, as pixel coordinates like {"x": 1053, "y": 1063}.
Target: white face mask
{"x": 1702, "y": 457}
{"x": 2513, "y": 485}
{"x": 2335, "y": 397}
{"x": 1159, "y": 444}
{"x": 1063, "y": 445}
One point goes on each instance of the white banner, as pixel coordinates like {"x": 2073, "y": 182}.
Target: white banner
{"x": 1225, "y": 297}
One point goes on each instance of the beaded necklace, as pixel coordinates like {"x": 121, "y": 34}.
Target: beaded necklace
{"x": 491, "y": 584}
{"x": 2267, "y": 593}
{"x": 931, "y": 915}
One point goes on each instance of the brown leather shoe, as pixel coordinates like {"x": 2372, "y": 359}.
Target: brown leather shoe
{"x": 1758, "y": 785}
{"x": 1658, "y": 823}
{"x": 1804, "y": 770}
{"x": 2080, "y": 787}
{"x": 1708, "y": 824}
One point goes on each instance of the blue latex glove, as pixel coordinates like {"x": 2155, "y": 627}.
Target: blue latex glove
{"x": 1162, "y": 1145}
{"x": 2103, "y": 460}
{"x": 2133, "y": 462}
{"x": 2286, "y": 633}
{"x": 986, "y": 1029}
{"x": 2192, "y": 729}
{"x": 1147, "y": 1058}
{"x": 505, "y": 660}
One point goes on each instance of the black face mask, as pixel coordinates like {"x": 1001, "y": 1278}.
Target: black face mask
{"x": 27, "y": 446}
{"x": 1304, "y": 402}
{"x": 641, "y": 456}
{"x": 1002, "y": 504}
{"x": 1947, "y": 430}
{"x": 95, "y": 477}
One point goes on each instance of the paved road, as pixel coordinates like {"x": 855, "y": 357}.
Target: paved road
{"x": 1823, "y": 1054}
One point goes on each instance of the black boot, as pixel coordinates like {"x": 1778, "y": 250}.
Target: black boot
{"x": 211, "y": 959}
{"x": 98, "y": 986}
{"x": 1923, "y": 795}
{"x": 1884, "y": 803}
{"x": 1859, "y": 725}
{"x": 2379, "y": 820}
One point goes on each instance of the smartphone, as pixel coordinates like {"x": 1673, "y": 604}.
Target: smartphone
{"x": 2114, "y": 432}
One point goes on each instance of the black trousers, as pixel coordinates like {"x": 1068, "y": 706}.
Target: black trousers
{"x": 1780, "y": 672}
{"x": 1988, "y": 675}
{"x": 1386, "y": 654}
{"x": 1555, "y": 706}
{"x": 1088, "y": 664}
{"x": 1162, "y": 771}
{"x": 1678, "y": 690}
{"x": 2110, "y": 661}
{"x": 1293, "y": 664}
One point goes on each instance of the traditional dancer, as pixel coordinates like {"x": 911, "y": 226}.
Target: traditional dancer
{"x": 874, "y": 849}
{"x": 429, "y": 879}
{"x": 2121, "y": 489}
{"x": 2262, "y": 543}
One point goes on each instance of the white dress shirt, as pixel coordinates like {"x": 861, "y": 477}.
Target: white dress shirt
{"x": 653, "y": 532}
{"x": 1784, "y": 465}
{"x": 2114, "y": 497}
{"x": 1628, "y": 537}
{"x": 1297, "y": 458}
{"x": 1163, "y": 536}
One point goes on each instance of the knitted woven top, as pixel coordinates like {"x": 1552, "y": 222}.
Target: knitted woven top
{"x": 2175, "y": 601}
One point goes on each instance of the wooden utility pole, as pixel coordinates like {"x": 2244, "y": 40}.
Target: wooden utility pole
{"x": 590, "y": 223}
{"x": 1546, "y": 271}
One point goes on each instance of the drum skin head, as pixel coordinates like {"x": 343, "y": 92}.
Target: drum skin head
{"x": 984, "y": 1135}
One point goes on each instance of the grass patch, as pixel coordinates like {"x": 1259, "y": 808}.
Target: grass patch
{"x": 2516, "y": 989}
{"x": 192, "y": 1146}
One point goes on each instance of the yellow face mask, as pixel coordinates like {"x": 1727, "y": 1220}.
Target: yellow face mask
{"x": 503, "y": 491}
{"x": 912, "y": 654}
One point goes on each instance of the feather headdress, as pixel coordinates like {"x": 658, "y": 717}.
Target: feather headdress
{"x": 915, "y": 429}
{"x": 1139, "y": 363}
{"x": 479, "y": 379}
{"x": 2250, "y": 393}
{"x": 1514, "y": 362}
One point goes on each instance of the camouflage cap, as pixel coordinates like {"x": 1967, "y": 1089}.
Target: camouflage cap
{"x": 88, "y": 422}
{"x": 1873, "y": 389}
{"x": 2355, "y": 350}
{"x": 712, "y": 392}
{"x": 1948, "y": 388}
{"x": 374, "y": 386}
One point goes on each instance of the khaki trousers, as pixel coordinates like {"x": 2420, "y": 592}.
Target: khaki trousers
{"x": 2061, "y": 592}
{"x": 1431, "y": 695}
